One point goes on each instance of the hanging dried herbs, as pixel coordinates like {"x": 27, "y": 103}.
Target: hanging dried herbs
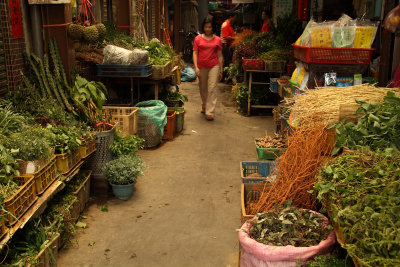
{"x": 288, "y": 225}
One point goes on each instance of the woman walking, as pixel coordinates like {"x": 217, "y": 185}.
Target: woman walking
{"x": 208, "y": 63}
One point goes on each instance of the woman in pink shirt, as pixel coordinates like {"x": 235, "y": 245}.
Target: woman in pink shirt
{"x": 208, "y": 63}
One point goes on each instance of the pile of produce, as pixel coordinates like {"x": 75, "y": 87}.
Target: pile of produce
{"x": 285, "y": 107}
{"x": 288, "y": 225}
{"x": 159, "y": 53}
{"x": 296, "y": 170}
{"x": 276, "y": 141}
{"x": 91, "y": 34}
{"x": 361, "y": 192}
{"x": 275, "y": 55}
{"x": 323, "y": 105}
{"x": 378, "y": 128}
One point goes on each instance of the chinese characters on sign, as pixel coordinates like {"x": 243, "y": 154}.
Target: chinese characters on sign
{"x": 16, "y": 19}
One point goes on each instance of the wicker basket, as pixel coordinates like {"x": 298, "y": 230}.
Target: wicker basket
{"x": 21, "y": 200}
{"x": 102, "y": 155}
{"x": 66, "y": 162}
{"x": 126, "y": 117}
{"x": 250, "y": 194}
{"x": 161, "y": 71}
{"x": 149, "y": 131}
{"x": 83, "y": 192}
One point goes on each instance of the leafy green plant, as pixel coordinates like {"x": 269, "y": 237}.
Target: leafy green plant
{"x": 30, "y": 144}
{"x": 64, "y": 139}
{"x": 89, "y": 98}
{"x": 233, "y": 70}
{"x": 126, "y": 145}
{"x": 10, "y": 121}
{"x": 378, "y": 128}
{"x": 124, "y": 170}
{"x": 361, "y": 191}
{"x": 8, "y": 164}
{"x": 159, "y": 53}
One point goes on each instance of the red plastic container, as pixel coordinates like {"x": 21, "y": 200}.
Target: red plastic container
{"x": 169, "y": 129}
{"x": 252, "y": 63}
{"x": 333, "y": 55}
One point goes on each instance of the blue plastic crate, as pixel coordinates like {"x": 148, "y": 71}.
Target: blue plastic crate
{"x": 273, "y": 85}
{"x": 115, "y": 70}
{"x": 264, "y": 169}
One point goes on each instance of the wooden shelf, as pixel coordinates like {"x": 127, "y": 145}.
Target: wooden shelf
{"x": 40, "y": 205}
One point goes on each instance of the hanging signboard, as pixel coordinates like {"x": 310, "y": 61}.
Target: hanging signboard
{"x": 242, "y": 1}
{"x": 16, "y": 19}
{"x": 40, "y": 2}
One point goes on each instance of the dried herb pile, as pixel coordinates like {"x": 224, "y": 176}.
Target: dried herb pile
{"x": 276, "y": 141}
{"x": 288, "y": 225}
{"x": 285, "y": 107}
{"x": 296, "y": 170}
{"x": 362, "y": 194}
{"x": 323, "y": 105}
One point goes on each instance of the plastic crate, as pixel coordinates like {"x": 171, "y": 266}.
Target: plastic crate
{"x": 275, "y": 66}
{"x": 87, "y": 147}
{"x": 268, "y": 153}
{"x": 161, "y": 71}
{"x": 169, "y": 129}
{"x": 3, "y": 227}
{"x": 332, "y": 55}
{"x": 44, "y": 177}
{"x": 49, "y": 253}
{"x": 248, "y": 168}
{"x": 115, "y": 70}
{"x": 250, "y": 193}
{"x": 180, "y": 118}
{"x": 102, "y": 155}
{"x": 21, "y": 200}
{"x": 66, "y": 162}
{"x": 126, "y": 117}
{"x": 273, "y": 85}
{"x": 252, "y": 63}
{"x": 83, "y": 192}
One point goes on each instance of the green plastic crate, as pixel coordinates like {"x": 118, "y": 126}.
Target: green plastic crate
{"x": 268, "y": 153}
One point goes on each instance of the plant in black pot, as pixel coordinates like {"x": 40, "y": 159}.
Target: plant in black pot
{"x": 122, "y": 174}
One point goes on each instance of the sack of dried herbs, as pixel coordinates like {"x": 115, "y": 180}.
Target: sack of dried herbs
{"x": 285, "y": 237}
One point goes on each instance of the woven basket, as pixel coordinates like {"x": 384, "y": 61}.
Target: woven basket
{"x": 149, "y": 131}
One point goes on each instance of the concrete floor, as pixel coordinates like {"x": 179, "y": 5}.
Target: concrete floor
{"x": 186, "y": 208}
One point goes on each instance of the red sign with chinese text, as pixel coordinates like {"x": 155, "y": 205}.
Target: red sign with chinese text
{"x": 16, "y": 19}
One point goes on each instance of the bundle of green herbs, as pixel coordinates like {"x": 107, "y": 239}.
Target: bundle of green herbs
{"x": 10, "y": 121}
{"x": 64, "y": 139}
{"x": 159, "y": 53}
{"x": 126, "y": 145}
{"x": 378, "y": 128}
{"x": 361, "y": 191}
{"x": 288, "y": 225}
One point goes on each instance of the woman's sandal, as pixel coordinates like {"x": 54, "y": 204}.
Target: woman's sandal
{"x": 209, "y": 117}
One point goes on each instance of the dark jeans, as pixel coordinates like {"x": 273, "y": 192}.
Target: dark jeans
{"x": 227, "y": 53}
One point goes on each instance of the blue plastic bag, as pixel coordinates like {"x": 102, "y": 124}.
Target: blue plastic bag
{"x": 188, "y": 74}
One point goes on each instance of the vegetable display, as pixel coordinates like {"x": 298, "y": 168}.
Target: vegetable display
{"x": 288, "y": 225}
{"x": 296, "y": 170}
{"x": 277, "y": 141}
{"x": 126, "y": 145}
{"x": 323, "y": 105}
{"x": 378, "y": 128}
{"x": 361, "y": 191}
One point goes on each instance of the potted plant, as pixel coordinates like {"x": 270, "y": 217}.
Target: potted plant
{"x": 122, "y": 173}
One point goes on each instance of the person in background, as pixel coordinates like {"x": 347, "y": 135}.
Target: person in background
{"x": 228, "y": 36}
{"x": 208, "y": 63}
{"x": 266, "y": 27}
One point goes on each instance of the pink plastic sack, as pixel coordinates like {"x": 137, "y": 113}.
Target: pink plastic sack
{"x": 255, "y": 254}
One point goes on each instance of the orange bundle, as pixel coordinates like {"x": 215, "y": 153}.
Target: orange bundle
{"x": 240, "y": 36}
{"x": 307, "y": 149}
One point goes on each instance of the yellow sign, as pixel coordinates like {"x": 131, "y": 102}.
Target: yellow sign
{"x": 321, "y": 37}
{"x": 363, "y": 38}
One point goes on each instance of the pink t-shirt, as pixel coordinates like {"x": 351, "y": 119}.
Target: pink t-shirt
{"x": 207, "y": 55}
